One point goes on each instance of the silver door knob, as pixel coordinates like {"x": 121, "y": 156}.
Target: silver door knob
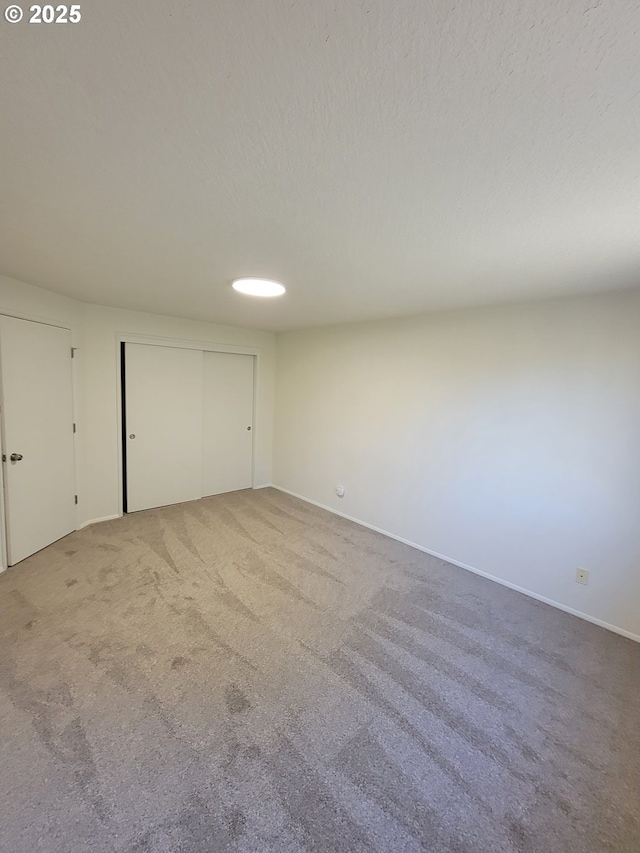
{"x": 15, "y": 457}
{"x": 133, "y": 435}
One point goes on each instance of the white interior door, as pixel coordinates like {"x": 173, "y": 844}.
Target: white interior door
{"x": 228, "y": 422}
{"x": 163, "y": 417}
{"x": 38, "y": 435}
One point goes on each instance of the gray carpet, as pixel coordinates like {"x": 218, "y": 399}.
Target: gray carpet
{"x": 250, "y": 673}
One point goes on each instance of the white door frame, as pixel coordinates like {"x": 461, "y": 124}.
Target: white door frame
{"x": 45, "y": 321}
{"x": 204, "y": 346}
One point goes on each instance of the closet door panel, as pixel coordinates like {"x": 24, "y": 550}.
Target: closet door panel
{"x": 228, "y": 422}
{"x": 163, "y": 425}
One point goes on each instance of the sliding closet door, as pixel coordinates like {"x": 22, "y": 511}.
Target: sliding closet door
{"x": 228, "y": 422}
{"x": 163, "y": 425}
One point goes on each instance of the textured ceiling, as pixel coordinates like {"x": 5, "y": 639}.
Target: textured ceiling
{"x": 380, "y": 158}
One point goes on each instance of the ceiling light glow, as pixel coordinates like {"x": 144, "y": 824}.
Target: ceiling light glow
{"x": 258, "y": 287}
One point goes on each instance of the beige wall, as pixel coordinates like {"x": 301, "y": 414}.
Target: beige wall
{"x": 506, "y": 439}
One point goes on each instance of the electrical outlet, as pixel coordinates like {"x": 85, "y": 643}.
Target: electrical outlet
{"x": 582, "y": 576}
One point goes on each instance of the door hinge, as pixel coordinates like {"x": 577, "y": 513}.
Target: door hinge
{"x": 73, "y": 352}
{"x": 76, "y": 499}
{"x": 74, "y": 427}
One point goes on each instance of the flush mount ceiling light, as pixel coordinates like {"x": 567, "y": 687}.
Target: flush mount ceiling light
{"x": 258, "y": 287}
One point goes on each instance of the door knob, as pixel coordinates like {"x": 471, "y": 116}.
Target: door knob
{"x": 249, "y": 428}
{"x": 15, "y": 457}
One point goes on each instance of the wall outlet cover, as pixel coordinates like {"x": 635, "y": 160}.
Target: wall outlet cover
{"x": 582, "y": 576}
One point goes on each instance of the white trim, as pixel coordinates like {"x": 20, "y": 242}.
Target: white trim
{"x": 181, "y": 343}
{"x": 4, "y": 552}
{"x": 265, "y": 486}
{"x": 97, "y": 521}
{"x": 579, "y": 613}
{"x": 36, "y": 318}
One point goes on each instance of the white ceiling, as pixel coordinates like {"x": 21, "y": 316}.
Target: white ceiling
{"x": 380, "y": 158}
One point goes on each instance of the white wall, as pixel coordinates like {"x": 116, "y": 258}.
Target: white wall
{"x": 33, "y": 303}
{"x": 506, "y": 439}
{"x": 96, "y": 333}
{"x": 100, "y": 433}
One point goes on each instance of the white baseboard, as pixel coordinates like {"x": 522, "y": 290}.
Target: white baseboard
{"x": 579, "y": 613}
{"x": 262, "y": 486}
{"x": 97, "y": 521}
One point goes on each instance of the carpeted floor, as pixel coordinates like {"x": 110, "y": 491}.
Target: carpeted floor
{"x": 250, "y": 673}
